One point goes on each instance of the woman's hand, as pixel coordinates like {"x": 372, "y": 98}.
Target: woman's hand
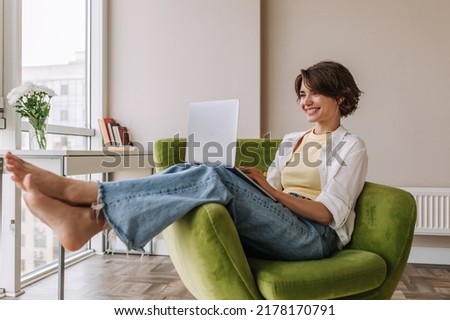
{"x": 258, "y": 176}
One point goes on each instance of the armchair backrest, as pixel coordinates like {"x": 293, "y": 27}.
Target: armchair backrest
{"x": 249, "y": 152}
{"x": 168, "y": 152}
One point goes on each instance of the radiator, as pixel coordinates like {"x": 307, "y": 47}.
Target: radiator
{"x": 433, "y": 210}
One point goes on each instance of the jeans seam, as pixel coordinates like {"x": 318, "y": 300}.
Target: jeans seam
{"x": 115, "y": 202}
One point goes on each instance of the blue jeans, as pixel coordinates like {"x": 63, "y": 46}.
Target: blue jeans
{"x": 140, "y": 209}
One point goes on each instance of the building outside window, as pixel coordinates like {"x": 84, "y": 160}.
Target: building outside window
{"x": 55, "y": 53}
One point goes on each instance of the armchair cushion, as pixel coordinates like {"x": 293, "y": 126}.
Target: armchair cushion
{"x": 351, "y": 271}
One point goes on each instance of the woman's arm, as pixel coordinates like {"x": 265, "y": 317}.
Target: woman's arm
{"x": 309, "y": 209}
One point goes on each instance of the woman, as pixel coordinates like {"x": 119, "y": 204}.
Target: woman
{"x": 316, "y": 178}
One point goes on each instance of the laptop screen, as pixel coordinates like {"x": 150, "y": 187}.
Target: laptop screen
{"x": 212, "y": 132}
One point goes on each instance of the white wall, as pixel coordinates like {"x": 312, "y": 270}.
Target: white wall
{"x": 164, "y": 54}
{"x": 399, "y": 54}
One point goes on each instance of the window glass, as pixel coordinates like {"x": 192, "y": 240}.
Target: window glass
{"x": 54, "y": 38}
{"x": 54, "y": 55}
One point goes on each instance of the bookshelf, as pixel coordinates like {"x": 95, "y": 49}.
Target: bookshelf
{"x": 113, "y": 133}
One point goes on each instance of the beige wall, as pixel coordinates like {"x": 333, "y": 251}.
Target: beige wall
{"x": 164, "y": 54}
{"x": 399, "y": 54}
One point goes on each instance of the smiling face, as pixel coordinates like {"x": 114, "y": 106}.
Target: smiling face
{"x": 319, "y": 109}
{"x": 326, "y": 92}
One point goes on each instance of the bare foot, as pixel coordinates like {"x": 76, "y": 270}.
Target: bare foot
{"x": 65, "y": 189}
{"x": 73, "y": 226}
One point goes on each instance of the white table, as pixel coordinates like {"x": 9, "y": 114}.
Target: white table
{"x": 65, "y": 163}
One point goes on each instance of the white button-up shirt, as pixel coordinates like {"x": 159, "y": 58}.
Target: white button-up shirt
{"x": 343, "y": 170}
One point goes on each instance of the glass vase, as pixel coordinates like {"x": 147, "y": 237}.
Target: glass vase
{"x": 38, "y": 138}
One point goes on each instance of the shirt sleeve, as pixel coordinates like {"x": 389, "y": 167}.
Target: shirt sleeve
{"x": 345, "y": 183}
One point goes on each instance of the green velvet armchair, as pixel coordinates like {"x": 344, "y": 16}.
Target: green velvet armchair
{"x": 207, "y": 254}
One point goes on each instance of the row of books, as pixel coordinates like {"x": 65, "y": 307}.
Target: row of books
{"x": 113, "y": 134}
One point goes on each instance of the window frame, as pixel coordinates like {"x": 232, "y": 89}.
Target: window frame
{"x": 11, "y": 281}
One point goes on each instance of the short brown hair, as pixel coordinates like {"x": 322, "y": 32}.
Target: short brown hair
{"x": 333, "y": 80}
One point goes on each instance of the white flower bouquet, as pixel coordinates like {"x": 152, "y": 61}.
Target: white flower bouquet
{"x": 32, "y": 101}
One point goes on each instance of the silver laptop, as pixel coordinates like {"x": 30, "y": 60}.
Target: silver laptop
{"x": 212, "y": 136}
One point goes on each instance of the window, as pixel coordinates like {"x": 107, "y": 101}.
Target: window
{"x": 64, "y": 91}
{"x": 79, "y": 83}
{"x": 56, "y": 53}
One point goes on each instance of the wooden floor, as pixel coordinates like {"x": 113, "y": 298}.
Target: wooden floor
{"x": 118, "y": 277}
{"x": 424, "y": 282}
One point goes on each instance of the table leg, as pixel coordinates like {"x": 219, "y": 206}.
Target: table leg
{"x": 61, "y": 270}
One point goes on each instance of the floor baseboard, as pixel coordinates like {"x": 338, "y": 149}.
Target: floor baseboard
{"x": 428, "y": 255}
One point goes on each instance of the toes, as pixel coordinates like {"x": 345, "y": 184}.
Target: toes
{"x": 14, "y": 166}
{"x": 9, "y": 167}
{"x": 9, "y": 157}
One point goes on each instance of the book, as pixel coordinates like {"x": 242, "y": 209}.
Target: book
{"x": 124, "y": 136}
{"x": 115, "y": 139}
{"x": 104, "y": 130}
{"x": 113, "y": 134}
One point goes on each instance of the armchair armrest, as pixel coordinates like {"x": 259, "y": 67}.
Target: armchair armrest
{"x": 206, "y": 252}
{"x": 385, "y": 221}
